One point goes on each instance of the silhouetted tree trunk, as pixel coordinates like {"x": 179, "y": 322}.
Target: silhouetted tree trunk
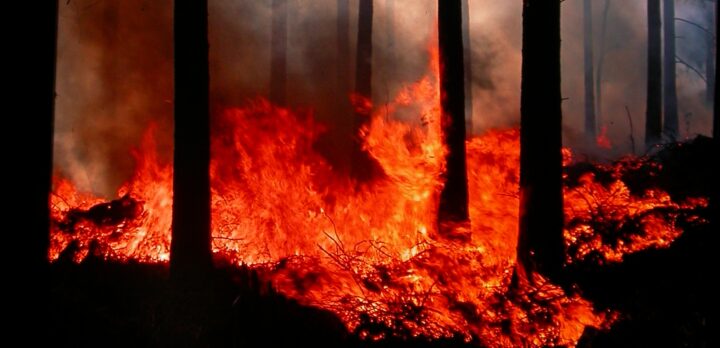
{"x": 453, "y": 209}
{"x": 278, "y": 65}
{"x": 601, "y": 64}
{"x": 540, "y": 243}
{"x": 653, "y": 116}
{"x": 190, "y": 256}
{"x": 39, "y": 152}
{"x": 467, "y": 57}
{"x": 363, "y": 167}
{"x": 363, "y": 72}
{"x": 28, "y": 161}
{"x": 670, "y": 107}
{"x": 590, "y": 124}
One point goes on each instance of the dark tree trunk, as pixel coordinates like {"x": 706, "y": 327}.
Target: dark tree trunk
{"x": 670, "y": 107}
{"x": 278, "y": 65}
{"x": 28, "y": 160}
{"x": 601, "y": 63}
{"x": 453, "y": 209}
{"x": 40, "y": 137}
{"x": 363, "y": 167}
{"x": 363, "y": 72}
{"x": 190, "y": 256}
{"x": 653, "y": 116}
{"x": 540, "y": 241}
{"x": 590, "y": 124}
{"x": 467, "y": 57}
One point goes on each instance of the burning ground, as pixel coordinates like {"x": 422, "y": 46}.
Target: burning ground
{"x": 369, "y": 253}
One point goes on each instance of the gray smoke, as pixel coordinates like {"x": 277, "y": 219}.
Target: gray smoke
{"x": 115, "y": 70}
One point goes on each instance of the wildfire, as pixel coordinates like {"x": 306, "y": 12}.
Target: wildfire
{"x": 372, "y": 255}
{"x": 602, "y": 139}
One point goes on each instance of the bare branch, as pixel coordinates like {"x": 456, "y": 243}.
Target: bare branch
{"x": 679, "y": 60}
{"x": 632, "y": 131}
{"x": 707, "y": 32}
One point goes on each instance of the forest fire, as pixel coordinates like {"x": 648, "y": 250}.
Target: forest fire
{"x": 371, "y": 253}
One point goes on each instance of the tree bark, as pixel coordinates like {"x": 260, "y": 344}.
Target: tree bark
{"x": 278, "y": 64}
{"x": 670, "y": 107}
{"x": 590, "y": 123}
{"x": 453, "y": 210}
{"x": 653, "y": 116}
{"x": 190, "y": 256}
{"x": 540, "y": 241}
{"x": 467, "y": 57}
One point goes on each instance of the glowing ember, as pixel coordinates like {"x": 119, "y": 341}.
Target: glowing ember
{"x": 370, "y": 253}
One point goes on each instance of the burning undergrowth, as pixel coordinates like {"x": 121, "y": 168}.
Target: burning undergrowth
{"x": 371, "y": 253}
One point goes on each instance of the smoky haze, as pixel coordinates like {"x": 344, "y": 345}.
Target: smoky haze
{"x": 114, "y": 72}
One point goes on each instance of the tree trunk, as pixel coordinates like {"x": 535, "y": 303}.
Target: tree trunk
{"x": 40, "y": 136}
{"x": 190, "y": 256}
{"x": 278, "y": 64}
{"x": 601, "y": 64}
{"x": 453, "y": 209}
{"x": 28, "y": 160}
{"x": 670, "y": 107}
{"x": 653, "y": 118}
{"x": 363, "y": 167}
{"x": 467, "y": 57}
{"x": 363, "y": 72}
{"x": 590, "y": 125}
{"x": 540, "y": 240}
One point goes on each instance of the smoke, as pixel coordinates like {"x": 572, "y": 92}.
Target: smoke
{"x": 114, "y": 77}
{"x": 624, "y": 75}
{"x": 115, "y": 71}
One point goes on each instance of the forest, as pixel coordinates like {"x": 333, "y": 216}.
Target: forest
{"x": 367, "y": 173}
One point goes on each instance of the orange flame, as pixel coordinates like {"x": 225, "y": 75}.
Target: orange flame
{"x": 602, "y": 140}
{"x": 370, "y": 255}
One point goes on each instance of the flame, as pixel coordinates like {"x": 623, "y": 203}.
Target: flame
{"x": 370, "y": 253}
{"x": 602, "y": 140}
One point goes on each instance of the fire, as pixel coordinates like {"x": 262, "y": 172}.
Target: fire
{"x": 605, "y": 221}
{"x": 144, "y": 235}
{"x": 370, "y": 253}
{"x": 602, "y": 139}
